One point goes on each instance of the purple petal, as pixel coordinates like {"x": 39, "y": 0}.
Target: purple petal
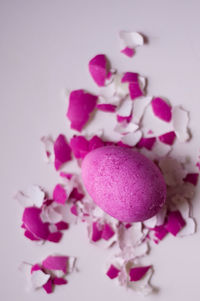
{"x": 138, "y": 272}
{"x": 168, "y": 138}
{"x": 112, "y": 272}
{"x": 56, "y": 263}
{"x": 98, "y": 69}
{"x": 55, "y": 237}
{"x": 62, "y": 151}
{"x": 162, "y": 109}
{"x": 81, "y": 105}
{"x": 191, "y": 178}
{"x": 175, "y": 222}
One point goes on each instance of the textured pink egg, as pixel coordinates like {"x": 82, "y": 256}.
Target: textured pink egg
{"x": 124, "y": 183}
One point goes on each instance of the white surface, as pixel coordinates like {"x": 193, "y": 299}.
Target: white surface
{"x": 45, "y": 47}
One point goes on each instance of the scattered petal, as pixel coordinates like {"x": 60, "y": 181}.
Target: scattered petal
{"x": 128, "y": 51}
{"x": 161, "y": 109}
{"x": 62, "y": 151}
{"x": 39, "y": 278}
{"x": 59, "y": 194}
{"x": 106, "y": 107}
{"x": 192, "y": 178}
{"x": 138, "y": 273}
{"x": 168, "y": 138}
{"x": 148, "y": 143}
{"x": 48, "y": 286}
{"x": 112, "y": 272}
{"x": 48, "y": 148}
{"x": 33, "y": 196}
{"x": 56, "y": 263}
{"x": 131, "y": 39}
{"x": 98, "y": 67}
{"x": 175, "y": 222}
{"x": 107, "y": 232}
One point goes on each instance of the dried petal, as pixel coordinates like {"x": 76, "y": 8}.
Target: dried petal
{"x": 168, "y": 138}
{"x": 62, "y": 151}
{"x": 161, "y": 109}
{"x": 98, "y": 67}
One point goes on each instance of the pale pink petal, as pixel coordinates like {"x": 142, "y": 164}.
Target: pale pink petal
{"x": 48, "y": 286}
{"x": 81, "y": 105}
{"x": 59, "y": 194}
{"x": 192, "y": 178}
{"x": 175, "y": 222}
{"x": 162, "y": 109}
{"x": 168, "y": 138}
{"x": 56, "y": 263}
{"x": 138, "y": 273}
{"x": 79, "y": 146}
{"x": 34, "y": 195}
{"x": 128, "y": 51}
{"x": 55, "y": 237}
{"x": 62, "y": 151}
{"x": 148, "y": 143}
{"x": 107, "y": 232}
{"x": 98, "y": 67}
{"x": 106, "y": 107}
{"x": 31, "y": 219}
{"x": 112, "y": 272}
{"x": 180, "y": 120}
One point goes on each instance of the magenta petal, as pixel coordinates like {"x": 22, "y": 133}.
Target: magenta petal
{"x": 168, "y": 138}
{"x": 59, "y": 194}
{"x": 112, "y": 272}
{"x": 35, "y": 267}
{"x": 160, "y": 232}
{"x": 191, "y": 178}
{"x": 148, "y": 143}
{"x": 121, "y": 119}
{"x": 95, "y": 142}
{"x": 96, "y": 232}
{"x": 56, "y": 263}
{"x": 62, "y": 225}
{"x": 106, "y": 107}
{"x": 98, "y": 69}
{"x": 162, "y": 109}
{"x": 76, "y": 195}
{"x": 138, "y": 272}
{"x": 59, "y": 281}
{"x": 135, "y": 90}
{"x": 130, "y": 77}
{"x": 107, "y": 232}
{"x": 62, "y": 151}
{"x": 55, "y": 237}
{"x": 81, "y": 105}
{"x": 175, "y": 222}
{"x": 30, "y": 236}
{"x": 128, "y": 51}
{"x": 73, "y": 210}
{"x": 48, "y": 287}
{"x": 31, "y": 219}
{"x": 79, "y": 146}
{"x": 66, "y": 175}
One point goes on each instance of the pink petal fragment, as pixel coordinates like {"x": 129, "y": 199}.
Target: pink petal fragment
{"x": 59, "y": 281}
{"x": 107, "y": 232}
{"x": 76, "y": 195}
{"x": 138, "y": 273}
{"x": 48, "y": 287}
{"x": 112, "y": 272}
{"x": 66, "y": 175}
{"x": 168, "y": 138}
{"x": 62, "y": 226}
{"x": 162, "y": 109}
{"x": 160, "y": 232}
{"x": 96, "y": 232}
{"x": 148, "y": 143}
{"x": 175, "y": 222}
{"x": 98, "y": 69}
{"x": 121, "y": 119}
{"x": 73, "y": 210}
{"x": 130, "y": 77}
{"x": 30, "y": 236}
{"x": 31, "y": 219}
{"x": 128, "y": 51}
{"x": 135, "y": 90}
{"x": 79, "y": 146}
{"x": 55, "y": 237}
{"x": 56, "y": 263}
{"x": 35, "y": 267}
{"x": 95, "y": 142}
{"x": 81, "y": 105}
{"x": 59, "y": 194}
{"x": 106, "y": 107}
{"x": 191, "y": 178}
{"x": 62, "y": 151}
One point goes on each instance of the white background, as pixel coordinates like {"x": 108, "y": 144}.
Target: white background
{"x": 44, "y": 48}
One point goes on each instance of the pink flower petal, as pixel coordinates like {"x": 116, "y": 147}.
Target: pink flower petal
{"x": 81, "y": 105}
{"x": 191, "y": 178}
{"x": 76, "y": 194}
{"x": 168, "y": 138}
{"x": 66, "y": 175}
{"x": 59, "y": 281}
{"x": 48, "y": 287}
{"x": 160, "y": 232}
{"x": 107, "y": 232}
{"x": 96, "y": 232}
{"x": 95, "y": 142}
{"x": 175, "y": 222}
{"x": 148, "y": 143}
{"x": 138, "y": 273}
{"x": 59, "y": 194}
{"x": 55, "y": 237}
{"x": 112, "y": 272}
{"x": 56, "y": 263}
{"x": 106, "y": 107}
{"x": 129, "y": 77}
{"x": 62, "y": 225}
{"x": 98, "y": 69}
{"x": 135, "y": 90}
{"x": 162, "y": 109}
{"x": 35, "y": 267}
{"x": 73, "y": 210}
{"x": 79, "y": 146}
{"x": 31, "y": 219}
{"x": 124, "y": 118}
{"x": 30, "y": 236}
{"x": 128, "y": 51}
{"x": 62, "y": 151}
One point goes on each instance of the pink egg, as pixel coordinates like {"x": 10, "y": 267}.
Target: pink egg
{"x": 124, "y": 183}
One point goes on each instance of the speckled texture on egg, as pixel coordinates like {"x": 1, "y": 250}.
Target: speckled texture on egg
{"x": 124, "y": 183}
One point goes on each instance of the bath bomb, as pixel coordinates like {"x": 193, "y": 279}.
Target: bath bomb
{"x": 123, "y": 183}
